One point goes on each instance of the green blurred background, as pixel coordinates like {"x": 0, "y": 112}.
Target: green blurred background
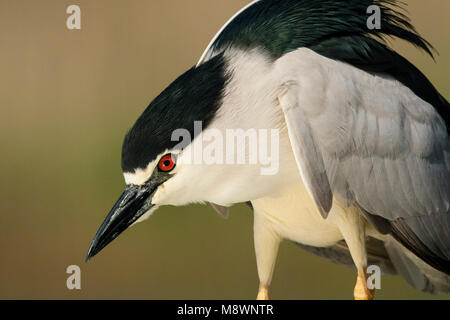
{"x": 68, "y": 97}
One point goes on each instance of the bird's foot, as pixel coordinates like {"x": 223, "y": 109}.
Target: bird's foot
{"x": 263, "y": 293}
{"x": 361, "y": 291}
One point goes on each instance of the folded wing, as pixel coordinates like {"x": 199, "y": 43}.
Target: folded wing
{"x": 383, "y": 148}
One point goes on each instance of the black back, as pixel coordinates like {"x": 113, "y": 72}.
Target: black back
{"x": 338, "y": 30}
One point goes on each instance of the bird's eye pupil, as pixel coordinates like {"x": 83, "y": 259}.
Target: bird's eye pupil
{"x": 166, "y": 163}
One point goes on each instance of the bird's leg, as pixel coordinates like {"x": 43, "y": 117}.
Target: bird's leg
{"x": 267, "y": 242}
{"x": 353, "y": 229}
{"x": 263, "y": 292}
{"x": 361, "y": 291}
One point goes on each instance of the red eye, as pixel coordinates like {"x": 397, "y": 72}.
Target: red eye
{"x": 166, "y": 163}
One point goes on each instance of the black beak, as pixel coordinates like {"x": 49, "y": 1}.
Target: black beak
{"x": 133, "y": 203}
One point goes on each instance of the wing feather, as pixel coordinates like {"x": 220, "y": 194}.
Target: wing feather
{"x": 381, "y": 147}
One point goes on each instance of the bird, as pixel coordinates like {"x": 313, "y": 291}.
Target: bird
{"x": 363, "y": 151}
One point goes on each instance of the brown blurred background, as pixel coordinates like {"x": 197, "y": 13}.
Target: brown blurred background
{"x": 67, "y": 98}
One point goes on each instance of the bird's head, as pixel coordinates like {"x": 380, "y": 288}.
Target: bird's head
{"x": 152, "y": 154}
{"x": 160, "y": 154}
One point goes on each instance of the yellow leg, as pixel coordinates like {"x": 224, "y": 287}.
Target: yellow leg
{"x": 263, "y": 293}
{"x": 361, "y": 291}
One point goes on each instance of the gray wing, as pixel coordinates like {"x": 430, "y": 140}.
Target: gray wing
{"x": 340, "y": 254}
{"x": 392, "y": 259}
{"x": 222, "y": 211}
{"x": 415, "y": 272}
{"x": 384, "y": 150}
{"x": 307, "y": 154}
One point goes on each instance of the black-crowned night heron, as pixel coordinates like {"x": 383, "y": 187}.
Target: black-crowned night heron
{"x": 363, "y": 174}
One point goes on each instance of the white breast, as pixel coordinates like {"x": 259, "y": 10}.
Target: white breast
{"x": 294, "y": 216}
